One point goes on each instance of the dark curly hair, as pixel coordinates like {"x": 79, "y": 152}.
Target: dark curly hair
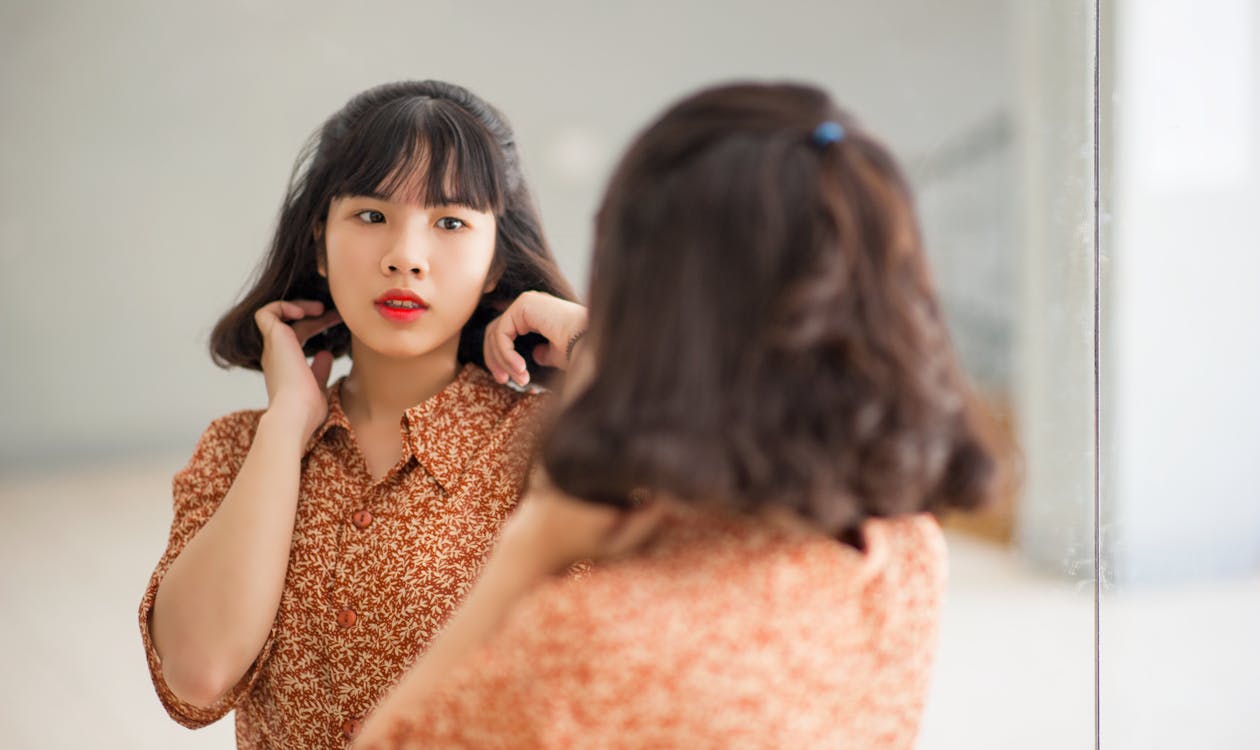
{"x": 763, "y": 325}
{"x": 373, "y": 145}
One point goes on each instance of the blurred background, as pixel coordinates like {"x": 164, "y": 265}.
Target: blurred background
{"x": 147, "y": 145}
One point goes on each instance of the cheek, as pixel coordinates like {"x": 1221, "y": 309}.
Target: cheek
{"x": 470, "y": 264}
{"x": 345, "y": 279}
{"x": 346, "y": 256}
{"x": 481, "y": 253}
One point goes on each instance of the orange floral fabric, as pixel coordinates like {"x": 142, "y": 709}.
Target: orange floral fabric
{"x": 376, "y": 567}
{"x": 722, "y": 634}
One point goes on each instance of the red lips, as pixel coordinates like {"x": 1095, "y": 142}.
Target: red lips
{"x": 400, "y": 305}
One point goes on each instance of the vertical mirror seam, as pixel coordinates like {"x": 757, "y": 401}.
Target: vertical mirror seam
{"x": 1098, "y": 570}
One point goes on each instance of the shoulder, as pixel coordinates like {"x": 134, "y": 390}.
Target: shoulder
{"x": 232, "y": 430}
{"x": 735, "y": 571}
{"x": 528, "y": 411}
{"x": 508, "y": 408}
{"x": 214, "y": 463}
{"x": 719, "y": 614}
{"x": 478, "y": 424}
{"x": 225, "y": 442}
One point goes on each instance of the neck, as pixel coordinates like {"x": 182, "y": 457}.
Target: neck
{"x": 382, "y": 388}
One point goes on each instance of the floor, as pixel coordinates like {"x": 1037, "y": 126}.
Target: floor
{"x": 1180, "y": 666}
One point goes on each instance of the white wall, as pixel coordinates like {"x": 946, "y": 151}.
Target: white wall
{"x": 147, "y": 145}
{"x": 1183, "y": 355}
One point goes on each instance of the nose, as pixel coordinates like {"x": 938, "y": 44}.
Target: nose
{"x": 407, "y": 254}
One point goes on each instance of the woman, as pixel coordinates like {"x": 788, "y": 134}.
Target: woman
{"x": 318, "y": 544}
{"x": 766, "y": 415}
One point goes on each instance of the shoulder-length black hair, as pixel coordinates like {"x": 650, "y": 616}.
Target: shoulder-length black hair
{"x": 763, "y": 325}
{"x": 375, "y": 144}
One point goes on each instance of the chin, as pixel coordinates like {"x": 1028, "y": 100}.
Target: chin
{"x": 392, "y": 342}
{"x": 404, "y": 347}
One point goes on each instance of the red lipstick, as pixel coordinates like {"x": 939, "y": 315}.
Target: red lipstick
{"x": 400, "y": 306}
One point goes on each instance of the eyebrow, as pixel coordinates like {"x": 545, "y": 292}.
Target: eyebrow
{"x": 373, "y": 195}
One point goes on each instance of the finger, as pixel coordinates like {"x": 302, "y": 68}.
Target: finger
{"x": 490, "y": 353}
{"x": 505, "y": 342}
{"x": 321, "y": 367}
{"x": 634, "y": 529}
{"x": 296, "y": 309}
{"x": 546, "y": 355}
{"x": 501, "y": 349}
{"x": 285, "y": 310}
{"x": 267, "y": 314}
{"x": 305, "y": 329}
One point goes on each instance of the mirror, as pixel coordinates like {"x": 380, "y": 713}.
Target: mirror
{"x": 148, "y": 149}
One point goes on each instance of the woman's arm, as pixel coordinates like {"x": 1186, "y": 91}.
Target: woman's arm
{"x": 217, "y": 602}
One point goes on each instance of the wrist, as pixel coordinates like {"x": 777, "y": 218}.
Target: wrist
{"x": 570, "y": 320}
{"x": 283, "y": 418}
{"x": 574, "y": 340}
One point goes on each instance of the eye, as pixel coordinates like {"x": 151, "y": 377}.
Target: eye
{"x": 450, "y": 223}
{"x": 371, "y": 216}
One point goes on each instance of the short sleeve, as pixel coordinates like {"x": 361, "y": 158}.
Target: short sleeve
{"x": 197, "y": 490}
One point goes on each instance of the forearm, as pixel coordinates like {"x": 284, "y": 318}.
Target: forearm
{"x": 546, "y": 534}
{"x": 504, "y": 581}
{"x": 494, "y": 596}
{"x": 218, "y": 600}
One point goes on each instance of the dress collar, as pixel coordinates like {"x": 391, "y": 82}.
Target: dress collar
{"x": 445, "y": 431}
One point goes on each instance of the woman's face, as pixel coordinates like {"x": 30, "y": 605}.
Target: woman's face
{"x": 405, "y": 277}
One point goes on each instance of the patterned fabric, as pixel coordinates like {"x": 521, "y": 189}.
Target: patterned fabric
{"x": 376, "y": 566}
{"x": 722, "y": 634}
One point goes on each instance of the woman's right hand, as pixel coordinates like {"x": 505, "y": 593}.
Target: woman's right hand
{"x": 296, "y": 390}
{"x": 559, "y": 321}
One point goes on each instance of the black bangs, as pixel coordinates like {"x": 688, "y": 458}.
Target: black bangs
{"x": 455, "y": 157}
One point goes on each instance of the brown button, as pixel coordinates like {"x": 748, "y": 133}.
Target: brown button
{"x": 350, "y": 727}
{"x": 346, "y": 618}
{"x": 362, "y": 519}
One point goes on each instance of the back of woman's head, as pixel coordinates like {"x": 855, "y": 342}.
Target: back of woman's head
{"x": 763, "y": 325}
{"x": 421, "y": 141}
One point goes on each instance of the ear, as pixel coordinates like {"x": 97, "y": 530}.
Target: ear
{"x": 321, "y": 253}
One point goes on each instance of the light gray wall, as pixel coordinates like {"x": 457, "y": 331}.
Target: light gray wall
{"x": 146, "y": 146}
{"x": 1182, "y": 364}
{"x": 1055, "y": 339}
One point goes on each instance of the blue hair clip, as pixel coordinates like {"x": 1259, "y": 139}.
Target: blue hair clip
{"x": 827, "y": 133}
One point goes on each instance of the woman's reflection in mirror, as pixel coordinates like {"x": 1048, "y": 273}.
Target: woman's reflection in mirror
{"x": 320, "y": 543}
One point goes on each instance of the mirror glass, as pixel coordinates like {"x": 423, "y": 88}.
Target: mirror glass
{"x": 147, "y": 147}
